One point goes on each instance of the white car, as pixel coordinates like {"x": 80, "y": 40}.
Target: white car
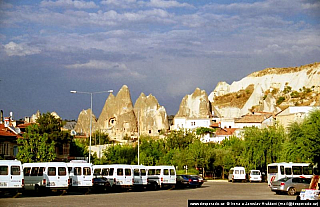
{"x": 255, "y": 176}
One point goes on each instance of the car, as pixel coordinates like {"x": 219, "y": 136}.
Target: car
{"x": 183, "y": 181}
{"x": 289, "y": 185}
{"x": 255, "y": 176}
{"x": 100, "y": 184}
{"x": 200, "y": 180}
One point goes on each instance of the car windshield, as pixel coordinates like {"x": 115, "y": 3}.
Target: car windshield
{"x": 255, "y": 172}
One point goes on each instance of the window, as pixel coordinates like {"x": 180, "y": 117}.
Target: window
{"x": 97, "y": 171}
{"x": 297, "y": 170}
{"x": 242, "y": 172}
{"x": 143, "y": 172}
{"x": 86, "y": 171}
{"x": 136, "y": 172}
{"x": 272, "y": 169}
{"x": 52, "y": 171}
{"x": 26, "y": 171}
{"x": 69, "y": 169}
{"x": 34, "y": 171}
{"x": 236, "y": 172}
{"x": 151, "y": 171}
{"x": 166, "y": 172}
{"x": 77, "y": 171}
{"x": 120, "y": 171}
{"x": 41, "y": 170}
{"x": 282, "y": 170}
{"x": 62, "y": 171}
{"x": 127, "y": 171}
{"x": 111, "y": 170}
{"x": 105, "y": 171}
{"x": 15, "y": 170}
{"x": 307, "y": 170}
{"x": 288, "y": 171}
{"x": 172, "y": 172}
{"x": 3, "y": 170}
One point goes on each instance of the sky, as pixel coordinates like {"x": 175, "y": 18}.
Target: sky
{"x": 164, "y": 48}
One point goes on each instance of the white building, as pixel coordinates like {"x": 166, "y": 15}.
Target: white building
{"x": 190, "y": 123}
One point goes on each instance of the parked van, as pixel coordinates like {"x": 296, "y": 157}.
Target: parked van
{"x": 161, "y": 176}
{"x": 140, "y": 179}
{"x": 11, "y": 176}
{"x": 119, "y": 175}
{"x": 80, "y": 174}
{"x": 46, "y": 176}
{"x": 255, "y": 176}
{"x": 237, "y": 174}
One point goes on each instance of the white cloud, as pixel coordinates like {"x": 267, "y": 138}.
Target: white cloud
{"x": 22, "y": 49}
{"x": 79, "y": 4}
{"x": 120, "y": 3}
{"x": 98, "y": 64}
{"x": 167, "y": 4}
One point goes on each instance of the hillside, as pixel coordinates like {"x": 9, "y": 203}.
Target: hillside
{"x": 269, "y": 90}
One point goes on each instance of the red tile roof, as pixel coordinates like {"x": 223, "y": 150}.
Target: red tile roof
{"x": 5, "y": 132}
{"x": 225, "y": 131}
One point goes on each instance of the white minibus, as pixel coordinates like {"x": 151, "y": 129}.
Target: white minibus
{"x": 276, "y": 171}
{"x": 11, "y": 176}
{"x": 44, "y": 176}
{"x": 161, "y": 176}
{"x": 119, "y": 175}
{"x": 80, "y": 174}
{"x": 140, "y": 179}
{"x": 237, "y": 174}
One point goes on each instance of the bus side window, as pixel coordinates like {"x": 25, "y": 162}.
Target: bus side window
{"x": 288, "y": 171}
{"x": 26, "y": 171}
{"x": 41, "y": 170}
{"x": 282, "y": 170}
{"x": 4, "y": 170}
{"x": 97, "y": 171}
{"x": 86, "y": 171}
{"x": 51, "y": 171}
{"x": 34, "y": 171}
{"x": 15, "y": 170}
{"x": 297, "y": 170}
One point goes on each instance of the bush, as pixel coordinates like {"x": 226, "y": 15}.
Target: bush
{"x": 280, "y": 100}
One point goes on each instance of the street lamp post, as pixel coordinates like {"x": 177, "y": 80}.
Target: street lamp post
{"x": 109, "y": 91}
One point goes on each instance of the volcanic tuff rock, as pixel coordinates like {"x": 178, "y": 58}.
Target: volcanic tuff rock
{"x": 83, "y": 123}
{"x": 274, "y": 81}
{"x": 152, "y": 118}
{"x": 117, "y": 117}
{"x": 195, "y": 105}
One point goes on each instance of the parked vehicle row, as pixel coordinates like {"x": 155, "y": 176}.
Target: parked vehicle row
{"x": 77, "y": 175}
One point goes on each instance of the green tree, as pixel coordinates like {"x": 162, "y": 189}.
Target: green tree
{"x": 303, "y": 143}
{"x": 35, "y": 147}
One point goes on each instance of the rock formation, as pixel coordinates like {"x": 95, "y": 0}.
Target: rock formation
{"x": 83, "y": 124}
{"x": 152, "y": 118}
{"x": 117, "y": 117}
{"x": 195, "y": 105}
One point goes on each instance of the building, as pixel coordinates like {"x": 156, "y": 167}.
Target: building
{"x": 260, "y": 120}
{"x": 293, "y": 114}
{"x": 8, "y": 142}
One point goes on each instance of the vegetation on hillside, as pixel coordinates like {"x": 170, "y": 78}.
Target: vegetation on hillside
{"x": 256, "y": 149}
{"x": 236, "y": 99}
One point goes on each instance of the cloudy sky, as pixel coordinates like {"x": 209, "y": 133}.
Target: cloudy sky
{"x": 164, "y": 47}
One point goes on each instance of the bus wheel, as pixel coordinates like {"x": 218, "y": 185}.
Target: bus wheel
{"x": 292, "y": 191}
